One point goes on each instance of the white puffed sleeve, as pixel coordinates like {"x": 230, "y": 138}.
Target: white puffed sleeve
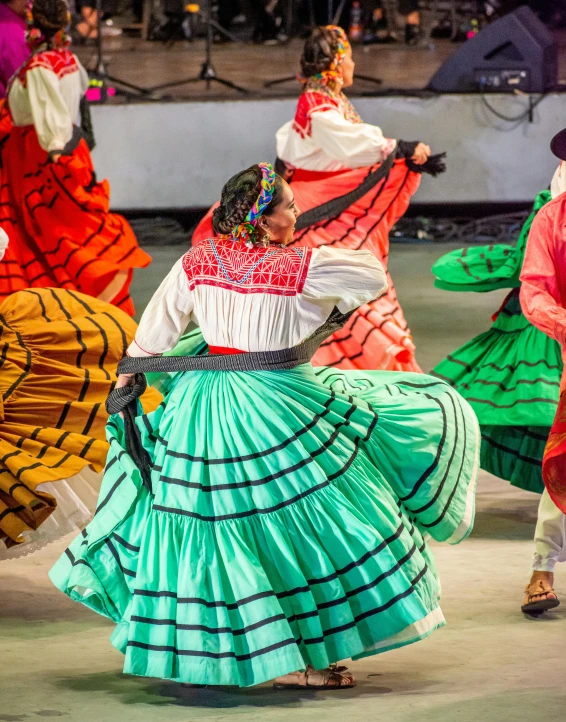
{"x": 3, "y": 242}
{"x": 346, "y": 278}
{"x": 353, "y": 144}
{"x": 166, "y": 316}
{"x": 51, "y": 116}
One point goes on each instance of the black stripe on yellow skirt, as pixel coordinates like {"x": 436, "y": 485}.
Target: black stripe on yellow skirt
{"x": 11, "y": 510}
{"x": 125, "y": 343}
{"x": 27, "y": 366}
{"x": 41, "y": 303}
{"x": 105, "y": 346}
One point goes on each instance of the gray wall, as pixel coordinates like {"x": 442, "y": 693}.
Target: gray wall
{"x": 178, "y": 155}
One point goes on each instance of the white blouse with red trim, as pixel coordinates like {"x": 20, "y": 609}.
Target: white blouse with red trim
{"x": 257, "y": 299}
{"x": 46, "y": 93}
{"x": 321, "y": 138}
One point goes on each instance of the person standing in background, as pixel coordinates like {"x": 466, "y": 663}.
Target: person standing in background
{"x": 14, "y": 50}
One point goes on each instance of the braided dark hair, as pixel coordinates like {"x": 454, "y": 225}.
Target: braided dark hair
{"x": 319, "y": 52}
{"x": 238, "y": 196}
{"x": 50, "y": 16}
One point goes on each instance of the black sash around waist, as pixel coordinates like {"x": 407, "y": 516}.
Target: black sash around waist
{"x": 124, "y": 400}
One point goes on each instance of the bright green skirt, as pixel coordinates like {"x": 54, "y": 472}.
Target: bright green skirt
{"x": 286, "y": 526}
{"x": 511, "y": 377}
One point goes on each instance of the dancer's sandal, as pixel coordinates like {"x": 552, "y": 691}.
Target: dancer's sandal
{"x": 329, "y": 678}
{"x": 541, "y": 589}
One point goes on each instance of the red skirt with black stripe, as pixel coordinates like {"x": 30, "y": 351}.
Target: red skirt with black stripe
{"x": 59, "y": 225}
{"x": 554, "y": 461}
{"x": 377, "y": 336}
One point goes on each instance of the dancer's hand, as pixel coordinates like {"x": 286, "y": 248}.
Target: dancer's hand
{"x": 54, "y": 157}
{"x": 125, "y": 380}
{"x": 422, "y": 152}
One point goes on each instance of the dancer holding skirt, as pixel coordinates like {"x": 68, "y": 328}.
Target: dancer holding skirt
{"x": 352, "y": 185}
{"x": 268, "y": 520}
{"x": 56, "y": 213}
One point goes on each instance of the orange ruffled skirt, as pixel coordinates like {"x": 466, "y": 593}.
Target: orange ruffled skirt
{"x": 57, "y": 217}
{"x": 377, "y": 335}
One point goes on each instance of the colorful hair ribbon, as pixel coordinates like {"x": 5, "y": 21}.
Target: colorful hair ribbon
{"x": 246, "y": 232}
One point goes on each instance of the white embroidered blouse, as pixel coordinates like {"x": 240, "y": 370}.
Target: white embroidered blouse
{"x": 46, "y": 93}
{"x": 326, "y": 134}
{"x": 255, "y": 299}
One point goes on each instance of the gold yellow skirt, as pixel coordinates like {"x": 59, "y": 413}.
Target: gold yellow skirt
{"x": 58, "y": 355}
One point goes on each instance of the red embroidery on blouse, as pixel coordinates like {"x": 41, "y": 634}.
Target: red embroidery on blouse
{"x": 309, "y": 103}
{"x": 61, "y": 62}
{"x": 225, "y": 264}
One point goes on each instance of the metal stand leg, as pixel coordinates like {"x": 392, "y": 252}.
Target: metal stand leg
{"x": 207, "y": 71}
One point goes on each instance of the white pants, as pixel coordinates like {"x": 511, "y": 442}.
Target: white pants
{"x": 550, "y": 536}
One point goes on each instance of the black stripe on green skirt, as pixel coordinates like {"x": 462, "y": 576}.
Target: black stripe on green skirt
{"x": 276, "y": 475}
{"x": 508, "y": 450}
{"x": 293, "y": 618}
{"x": 256, "y": 455}
{"x": 231, "y": 606}
{"x": 265, "y": 650}
{"x": 282, "y": 504}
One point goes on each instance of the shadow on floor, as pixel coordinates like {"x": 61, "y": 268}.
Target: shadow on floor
{"x": 137, "y": 690}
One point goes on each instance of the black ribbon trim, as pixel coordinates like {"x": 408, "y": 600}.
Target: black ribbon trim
{"x": 338, "y": 205}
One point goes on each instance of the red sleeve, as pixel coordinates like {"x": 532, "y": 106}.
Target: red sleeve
{"x": 540, "y": 295}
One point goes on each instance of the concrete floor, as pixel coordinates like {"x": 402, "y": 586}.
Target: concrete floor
{"x": 490, "y": 664}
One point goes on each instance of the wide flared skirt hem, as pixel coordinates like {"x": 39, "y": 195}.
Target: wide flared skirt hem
{"x": 278, "y": 662}
{"x": 515, "y": 453}
{"x": 254, "y": 556}
{"x": 511, "y": 374}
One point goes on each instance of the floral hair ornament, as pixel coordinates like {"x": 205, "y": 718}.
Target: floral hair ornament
{"x": 36, "y": 39}
{"x": 246, "y": 232}
{"x": 343, "y": 45}
{"x": 331, "y": 75}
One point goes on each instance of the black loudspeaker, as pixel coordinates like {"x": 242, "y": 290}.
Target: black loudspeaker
{"x": 516, "y": 52}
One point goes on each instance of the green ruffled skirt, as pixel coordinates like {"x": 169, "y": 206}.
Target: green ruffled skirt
{"x": 286, "y": 524}
{"x": 511, "y": 377}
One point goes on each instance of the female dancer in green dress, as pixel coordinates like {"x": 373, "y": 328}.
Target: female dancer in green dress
{"x": 268, "y": 519}
{"x": 511, "y": 377}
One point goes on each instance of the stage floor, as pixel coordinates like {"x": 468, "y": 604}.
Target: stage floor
{"x": 490, "y": 663}
{"x": 152, "y": 63}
